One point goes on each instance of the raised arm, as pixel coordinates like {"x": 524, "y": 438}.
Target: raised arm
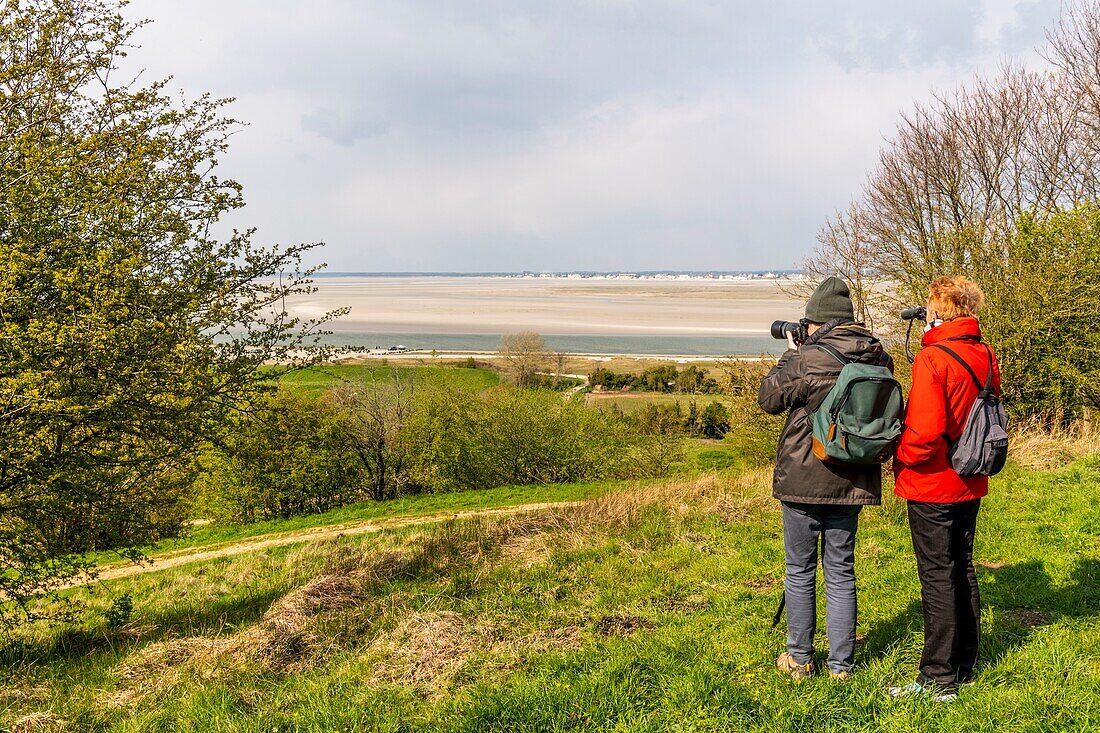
{"x": 784, "y": 387}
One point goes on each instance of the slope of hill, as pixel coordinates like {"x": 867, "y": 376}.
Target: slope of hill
{"x": 646, "y": 609}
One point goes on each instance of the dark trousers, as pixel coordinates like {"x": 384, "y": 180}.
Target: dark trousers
{"x": 943, "y": 539}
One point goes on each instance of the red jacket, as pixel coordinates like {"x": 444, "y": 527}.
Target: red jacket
{"x": 939, "y": 402}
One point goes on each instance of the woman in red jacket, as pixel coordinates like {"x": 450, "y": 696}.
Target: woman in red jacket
{"x": 943, "y": 506}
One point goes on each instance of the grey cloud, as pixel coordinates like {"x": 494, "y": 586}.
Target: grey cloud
{"x": 344, "y": 126}
{"x": 512, "y": 134}
{"x": 930, "y": 32}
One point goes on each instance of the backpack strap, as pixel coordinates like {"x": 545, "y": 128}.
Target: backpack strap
{"x": 844, "y": 361}
{"x": 977, "y": 382}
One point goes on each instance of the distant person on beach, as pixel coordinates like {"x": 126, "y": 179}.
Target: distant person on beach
{"x": 821, "y": 501}
{"x": 951, "y": 370}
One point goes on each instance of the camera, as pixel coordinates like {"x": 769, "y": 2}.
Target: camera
{"x": 799, "y": 330}
{"x": 916, "y": 312}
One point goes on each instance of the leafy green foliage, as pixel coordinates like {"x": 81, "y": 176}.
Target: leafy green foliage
{"x": 753, "y": 432}
{"x": 661, "y": 378}
{"x": 713, "y": 421}
{"x": 120, "y": 612}
{"x": 128, "y": 332}
{"x": 1043, "y": 316}
{"x": 289, "y": 456}
{"x": 515, "y": 436}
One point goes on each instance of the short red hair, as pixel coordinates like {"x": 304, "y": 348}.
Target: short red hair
{"x": 955, "y": 297}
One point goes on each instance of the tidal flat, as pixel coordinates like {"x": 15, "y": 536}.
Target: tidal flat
{"x": 597, "y": 315}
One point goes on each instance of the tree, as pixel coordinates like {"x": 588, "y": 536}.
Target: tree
{"x": 524, "y": 355}
{"x": 559, "y": 367}
{"x": 846, "y": 251}
{"x": 373, "y": 417}
{"x": 660, "y": 378}
{"x": 989, "y": 182}
{"x": 128, "y": 330}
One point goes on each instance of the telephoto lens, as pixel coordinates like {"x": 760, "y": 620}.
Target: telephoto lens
{"x": 797, "y": 330}
{"x": 780, "y": 329}
{"x": 918, "y": 312}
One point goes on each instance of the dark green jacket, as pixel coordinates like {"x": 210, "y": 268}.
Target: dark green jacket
{"x": 799, "y": 384}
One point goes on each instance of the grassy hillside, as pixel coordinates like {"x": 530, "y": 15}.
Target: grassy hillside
{"x": 643, "y": 610}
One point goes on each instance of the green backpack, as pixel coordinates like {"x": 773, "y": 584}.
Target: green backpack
{"x": 860, "y": 420}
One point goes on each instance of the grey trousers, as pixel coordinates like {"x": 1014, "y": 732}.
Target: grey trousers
{"x": 803, "y": 526}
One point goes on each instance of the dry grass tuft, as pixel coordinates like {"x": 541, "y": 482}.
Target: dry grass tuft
{"x": 285, "y": 636}
{"x": 283, "y": 640}
{"x": 425, "y": 650}
{"x": 27, "y": 694}
{"x": 527, "y": 550}
{"x": 746, "y": 496}
{"x": 623, "y": 508}
{"x": 114, "y": 700}
{"x": 1039, "y": 447}
{"x": 38, "y": 723}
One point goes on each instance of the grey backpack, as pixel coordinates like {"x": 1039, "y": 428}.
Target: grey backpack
{"x": 982, "y": 449}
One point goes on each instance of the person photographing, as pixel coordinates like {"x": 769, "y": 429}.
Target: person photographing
{"x": 954, "y": 439}
{"x": 843, "y": 418}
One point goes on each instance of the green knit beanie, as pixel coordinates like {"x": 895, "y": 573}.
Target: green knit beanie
{"x": 831, "y": 300}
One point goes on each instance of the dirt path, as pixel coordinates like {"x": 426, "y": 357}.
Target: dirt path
{"x": 313, "y": 534}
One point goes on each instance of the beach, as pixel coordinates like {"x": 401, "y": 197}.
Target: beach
{"x": 688, "y": 317}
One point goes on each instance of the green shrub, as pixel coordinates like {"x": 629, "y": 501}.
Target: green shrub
{"x": 289, "y": 457}
{"x": 1043, "y": 315}
{"x": 753, "y": 432}
{"x": 659, "y": 419}
{"x": 660, "y": 378}
{"x": 714, "y": 421}
{"x": 468, "y": 440}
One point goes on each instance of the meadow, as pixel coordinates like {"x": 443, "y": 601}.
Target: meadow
{"x": 646, "y": 607}
{"x": 317, "y": 380}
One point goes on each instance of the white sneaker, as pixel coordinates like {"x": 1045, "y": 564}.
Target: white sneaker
{"x": 916, "y": 688}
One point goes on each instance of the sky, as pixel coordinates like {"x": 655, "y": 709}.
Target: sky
{"x": 624, "y": 135}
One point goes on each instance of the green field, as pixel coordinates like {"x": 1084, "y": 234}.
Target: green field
{"x": 645, "y": 609}
{"x": 318, "y": 379}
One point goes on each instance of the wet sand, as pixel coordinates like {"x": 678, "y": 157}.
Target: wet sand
{"x": 551, "y": 305}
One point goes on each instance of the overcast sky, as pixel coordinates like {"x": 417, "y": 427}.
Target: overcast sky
{"x": 619, "y": 135}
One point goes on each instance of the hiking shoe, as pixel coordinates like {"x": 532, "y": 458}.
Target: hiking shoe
{"x": 840, "y": 676}
{"x": 796, "y": 671}
{"x": 913, "y": 689}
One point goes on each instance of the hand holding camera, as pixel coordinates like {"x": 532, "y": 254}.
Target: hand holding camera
{"x": 795, "y": 332}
